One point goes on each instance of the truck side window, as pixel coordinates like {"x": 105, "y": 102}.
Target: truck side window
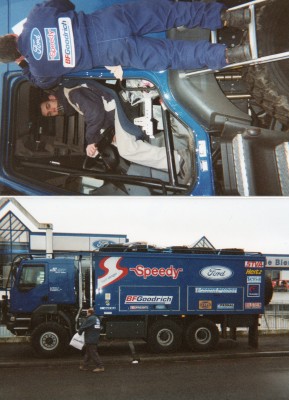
{"x": 32, "y": 275}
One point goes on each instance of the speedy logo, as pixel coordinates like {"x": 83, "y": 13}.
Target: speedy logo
{"x": 52, "y": 46}
{"x": 254, "y": 264}
{"x": 145, "y": 272}
{"x": 130, "y": 299}
{"x": 113, "y": 272}
{"x": 67, "y": 42}
{"x": 36, "y": 44}
{"x": 216, "y": 273}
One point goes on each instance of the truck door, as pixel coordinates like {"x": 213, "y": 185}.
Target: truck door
{"x": 61, "y": 277}
{"x": 30, "y": 289}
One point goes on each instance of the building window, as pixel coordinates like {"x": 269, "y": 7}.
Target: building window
{"x": 14, "y": 239}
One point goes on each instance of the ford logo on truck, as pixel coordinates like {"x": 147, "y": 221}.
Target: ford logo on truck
{"x": 216, "y": 273}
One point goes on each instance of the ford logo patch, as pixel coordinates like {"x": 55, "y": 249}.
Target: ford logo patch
{"x": 216, "y": 273}
{"x": 36, "y": 43}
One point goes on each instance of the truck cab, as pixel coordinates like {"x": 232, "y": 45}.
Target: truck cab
{"x": 44, "y": 297}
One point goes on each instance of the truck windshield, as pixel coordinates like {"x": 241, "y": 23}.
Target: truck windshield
{"x": 32, "y": 275}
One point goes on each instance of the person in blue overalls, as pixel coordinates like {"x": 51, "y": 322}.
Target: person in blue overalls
{"x": 56, "y": 40}
{"x": 91, "y": 328}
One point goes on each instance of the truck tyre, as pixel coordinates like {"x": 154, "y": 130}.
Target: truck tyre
{"x": 268, "y": 83}
{"x": 49, "y": 339}
{"x": 268, "y": 290}
{"x": 164, "y": 337}
{"x": 202, "y": 335}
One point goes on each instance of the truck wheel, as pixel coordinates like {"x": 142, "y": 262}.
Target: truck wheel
{"x": 202, "y": 335}
{"x": 268, "y": 83}
{"x": 164, "y": 337}
{"x": 49, "y": 339}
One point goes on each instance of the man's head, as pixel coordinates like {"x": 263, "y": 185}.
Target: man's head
{"x": 8, "y": 48}
{"x": 50, "y": 107}
{"x": 90, "y": 311}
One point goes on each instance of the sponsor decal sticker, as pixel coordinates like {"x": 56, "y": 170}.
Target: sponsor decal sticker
{"x": 138, "y": 307}
{"x": 225, "y": 306}
{"x": 57, "y": 270}
{"x": 100, "y": 243}
{"x": 52, "y": 46}
{"x": 253, "y": 290}
{"x": 36, "y": 44}
{"x": 254, "y": 279}
{"x": 202, "y": 148}
{"x": 148, "y": 299}
{"x": 113, "y": 272}
{"x": 254, "y": 264}
{"x": 204, "y": 165}
{"x": 251, "y": 271}
{"x": 216, "y": 273}
{"x": 146, "y": 272}
{"x": 253, "y": 306}
{"x": 205, "y": 305}
{"x": 67, "y": 42}
{"x": 55, "y": 289}
{"x": 215, "y": 290}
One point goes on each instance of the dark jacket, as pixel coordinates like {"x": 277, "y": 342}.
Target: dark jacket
{"x": 91, "y": 329}
{"x": 91, "y": 104}
{"x": 90, "y": 100}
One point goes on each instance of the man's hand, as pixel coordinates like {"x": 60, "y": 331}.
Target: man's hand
{"x": 91, "y": 150}
{"x": 117, "y": 71}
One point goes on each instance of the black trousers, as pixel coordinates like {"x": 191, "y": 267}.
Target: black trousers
{"x": 91, "y": 354}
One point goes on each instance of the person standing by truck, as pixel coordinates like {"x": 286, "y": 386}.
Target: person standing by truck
{"x": 91, "y": 329}
{"x": 56, "y": 40}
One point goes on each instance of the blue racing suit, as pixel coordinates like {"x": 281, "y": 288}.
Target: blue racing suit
{"x": 56, "y": 40}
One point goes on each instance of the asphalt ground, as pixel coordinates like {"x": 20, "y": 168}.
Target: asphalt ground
{"x": 121, "y": 351}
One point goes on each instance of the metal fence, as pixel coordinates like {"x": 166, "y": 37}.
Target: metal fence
{"x": 276, "y": 317}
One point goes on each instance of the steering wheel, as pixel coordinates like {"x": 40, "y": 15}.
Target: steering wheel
{"x": 107, "y": 158}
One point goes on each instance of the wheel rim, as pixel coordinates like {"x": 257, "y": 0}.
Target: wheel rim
{"x": 203, "y": 335}
{"x": 165, "y": 337}
{"x": 49, "y": 341}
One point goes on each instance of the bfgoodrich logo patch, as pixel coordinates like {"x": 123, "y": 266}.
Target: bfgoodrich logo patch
{"x": 36, "y": 44}
{"x": 67, "y": 42}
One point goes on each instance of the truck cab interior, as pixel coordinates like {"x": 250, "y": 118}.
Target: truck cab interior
{"x": 51, "y": 151}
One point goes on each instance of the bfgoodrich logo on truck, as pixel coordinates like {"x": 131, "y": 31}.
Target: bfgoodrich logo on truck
{"x": 216, "y": 273}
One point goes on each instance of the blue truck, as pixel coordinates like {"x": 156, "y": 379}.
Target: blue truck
{"x": 165, "y": 296}
{"x": 233, "y": 122}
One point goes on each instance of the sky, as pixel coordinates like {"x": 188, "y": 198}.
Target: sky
{"x": 253, "y": 224}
